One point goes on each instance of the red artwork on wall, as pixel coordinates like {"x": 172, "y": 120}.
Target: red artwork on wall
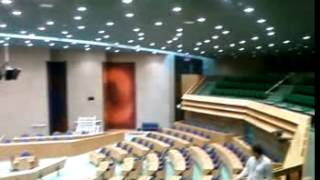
{"x": 119, "y": 96}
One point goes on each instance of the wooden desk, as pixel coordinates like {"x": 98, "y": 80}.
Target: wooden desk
{"x": 37, "y": 172}
{"x": 104, "y": 171}
{"x": 178, "y": 161}
{"x": 128, "y": 165}
{"x": 152, "y": 163}
{"x": 46, "y": 149}
{"x": 178, "y": 143}
{"x": 145, "y": 178}
{"x": 197, "y": 140}
{"x": 53, "y": 137}
{"x": 202, "y": 158}
{"x": 206, "y": 177}
{"x": 175, "y": 178}
{"x": 96, "y": 158}
{"x": 246, "y": 148}
{"x": 117, "y": 153}
{"x": 137, "y": 149}
{"x": 116, "y": 178}
{"x": 24, "y": 163}
{"x": 158, "y": 145}
{"x": 229, "y": 158}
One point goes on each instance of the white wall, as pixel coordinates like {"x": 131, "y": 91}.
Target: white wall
{"x": 154, "y": 86}
{"x": 84, "y": 79}
{"x": 24, "y": 102}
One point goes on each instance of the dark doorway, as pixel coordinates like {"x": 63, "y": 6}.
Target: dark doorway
{"x": 57, "y": 87}
{"x": 119, "y": 96}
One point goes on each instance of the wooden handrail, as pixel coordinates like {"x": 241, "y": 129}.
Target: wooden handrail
{"x": 287, "y": 170}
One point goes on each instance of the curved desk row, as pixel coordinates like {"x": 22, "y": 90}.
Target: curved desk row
{"x": 153, "y": 163}
{"x": 178, "y": 143}
{"x": 196, "y": 140}
{"x": 203, "y": 159}
{"x": 37, "y": 172}
{"x": 157, "y": 145}
{"x": 229, "y": 158}
{"x": 178, "y": 161}
{"x": 210, "y": 134}
{"x": 117, "y": 153}
{"x": 137, "y": 149}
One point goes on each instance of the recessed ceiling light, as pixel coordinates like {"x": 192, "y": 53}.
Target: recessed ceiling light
{"x": 242, "y": 42}
{"x": 199, "y": 43}
{"x": 220, "y": 50}
{"x": 16, "y": 13}
{"x": 6, "y": 2}
{"x": 66, "y": 47}
{"x": 87, "y": 49}
{"x": 225, "y": 32}
{"x": 130, "y": 41}
{"x": 218, "y": 27}
{"x": 179, "y": 30}
{"x": 81, "y": 27}
{"x": 306, "y": 37}
{"x": 117, "y": 50}
{"x": 215, "y": 37}
{"x": 127, "y": 1}
{"x": 241, "y": 49}
{"x": 201, "y": 19}
{"x": 141, "y": 34}
{"x": 158, "y": 23}
{"x": 6, "y": 44}
{"x": 179, "y": 50}
{"x": 163, "y": 47}
{"x": 64, "y": 32}
{"x": 179, "y": 45}
{"x": 136, "y": 29}
{"x": 30, "y": 45}
{"x": 27, "y": 41}
{"x": 202, "y": 52}
{"x": 23, "y": 32}
{"x": 69, "y": 36}
{"x": 179, "y": 34}
{"x": 305, "y": 47}
{"x": 259, "y": 47}
{"x": 141, "y": 38}
{"x": 286, "y": 42}
{"x": 45, "y": 5}
{"x": 261, "y": 21}
{"x": 101, "y": 32}
{"x": 82, "y": 8}
{"x": 207, "y": 41}
{"x": 41, "y": 28}
{"x": 7, "y": 38}
{"x": 3, "y": 25}
{"x": 188, "y": 22}
{"x": 110, "y": 23}
{"x": 232, "y": 45}
{"x": 50, "y": 23}
{"x": 169, "y": 41}
{"x": 254, "y": 38}
{"x": 47, "y": 40}
{"x": 87, "y": 45}
{"x": 175, "y": 38}
{"x": 52, "y": 44}
{"x": 106, "y": 36}
{"x": 2, "y": 41}
{"x": 177, "y": 9}
{"x": 271, "y": 33}
{"x": 216, "y": 47}
{"x": 269, "y": 28}
{"x": 78, "y": 18}
{"x": 98, "y": 39}
{"x": 108, "y": 48}
{"x": 152, "y": 44}
{"x": 248, "y": 10}
{"x": 129, "y": 15}
{"x": 270, "y": 45}
{"x": 196, "y": 48}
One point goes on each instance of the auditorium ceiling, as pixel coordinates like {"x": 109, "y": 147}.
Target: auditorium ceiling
{"x": 208, "y": 28}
